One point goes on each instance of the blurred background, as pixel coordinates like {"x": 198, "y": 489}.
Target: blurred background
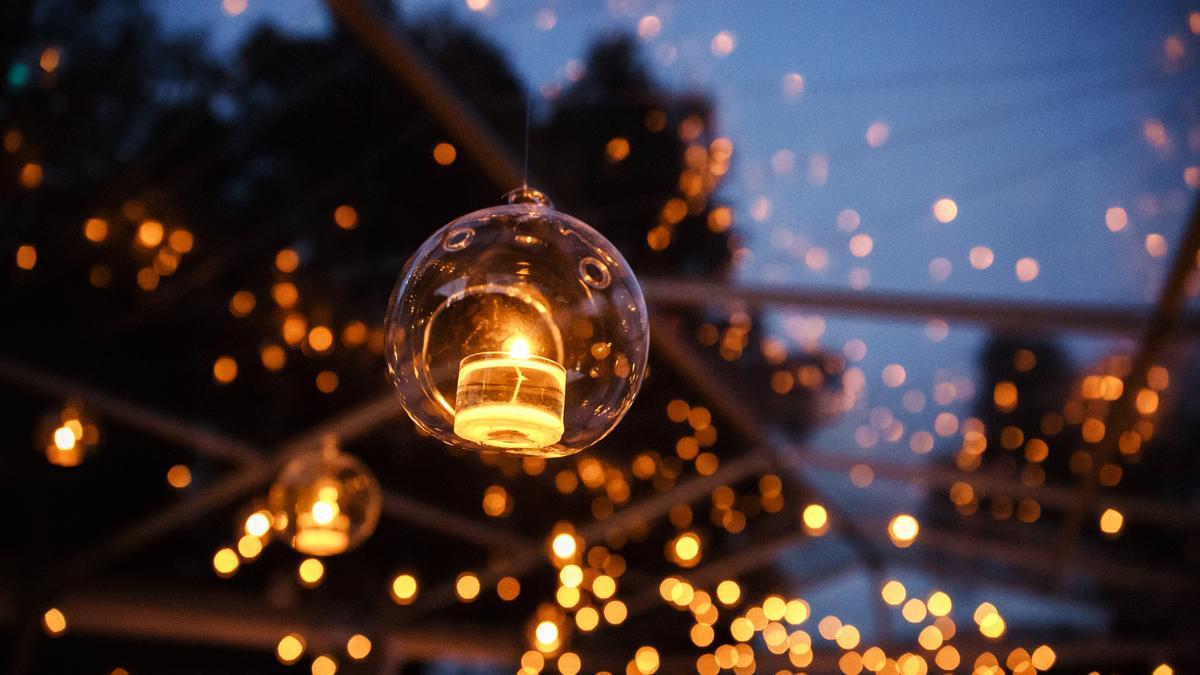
{"x": 922, "y": 282}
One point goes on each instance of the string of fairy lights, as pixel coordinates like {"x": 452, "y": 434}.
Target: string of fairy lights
{"x": 727, "y": 625}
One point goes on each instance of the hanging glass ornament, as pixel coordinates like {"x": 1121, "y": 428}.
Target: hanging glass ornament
{"x": 326, "y": 502}
{"x": 67, "y": 435}
{"x": 517, "y": 329}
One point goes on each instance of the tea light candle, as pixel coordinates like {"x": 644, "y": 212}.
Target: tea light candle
{"x": 510, "y": 399}
{"x": 323, "y": 529}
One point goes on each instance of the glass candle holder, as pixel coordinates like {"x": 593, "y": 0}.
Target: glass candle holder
{"x": 321, "y": 526}
{"x": 517, "y": 329}
{"x": 325, "y": 502}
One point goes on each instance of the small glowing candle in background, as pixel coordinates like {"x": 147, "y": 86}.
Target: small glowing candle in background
{"x": 322, "y": 528}
{"x": 510, "y": 399}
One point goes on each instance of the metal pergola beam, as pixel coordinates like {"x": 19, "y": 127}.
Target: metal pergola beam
{"x": 238, "y": 622}
{"x": 997, "y": 314}
{"x": 1154, "y": 512}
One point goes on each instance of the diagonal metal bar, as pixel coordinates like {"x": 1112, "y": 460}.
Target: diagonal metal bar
{"x": 202, "y": 440}
{"x": 230, "y": 620}
{"x": 995, "y": 313}
{"x": 1159, "y": 513}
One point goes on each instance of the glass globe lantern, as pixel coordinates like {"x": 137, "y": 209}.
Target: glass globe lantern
{"x": 517, "y": 329}
{"x": 67, "y": 435}
{"x": 325, "y": 502}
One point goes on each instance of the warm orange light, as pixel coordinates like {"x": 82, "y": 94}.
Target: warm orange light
{"x": 225, "y": 369}
{"x": 150, "y": 233}
{"x": 687, "y": 549}
{"x": 617, "y": 149}
{"x": 723, "y": 43}
{"x": 467, "y": 586}
{"x": 1111, "y": 521}
{"x": 311, "y": 571}
{"x": 945, "y": 210}
{"x": 54, "y": 622}
{"x": 290, "y": 649}
{"x": 346, "y": 217}
{"x": 320, "y": 338}
{"x": 287, "y": 260}
{"x": 893, "y": 593}
{"x": 31, "y": 175}
{"x": 563, "y": 545}
{"x": 903, "y": 530}
{"x": 27, "y": 256}
{"x": 646, "y": 660}
{"x": 324, "y": 665}
{"x": 815, "y": 518}
{"x": 225, "y": 562}
{"x": 444, "y": 154}
{"x": 179, "y": 476}
{"x": 1115, "y": 219}
{"x": 1027, "y": 269}
{"x": 95, "y": 229}
{"x": 404, "y": 589}
{"x": 358, "y": 647}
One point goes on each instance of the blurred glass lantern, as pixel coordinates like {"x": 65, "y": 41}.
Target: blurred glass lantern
{"x": 327, "y": 502}
{"x": 67, "y": 436}
{"x": 517, "y": 329}
{"x": 548, "y": 629}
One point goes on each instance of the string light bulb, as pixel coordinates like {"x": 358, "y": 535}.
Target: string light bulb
{"x": 327, "y": 501}
{"x": 67, "y": 435}
{"x": 517, "y": 329}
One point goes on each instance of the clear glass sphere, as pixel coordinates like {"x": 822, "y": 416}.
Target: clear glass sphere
{"x": 326, "y": 502}
{"x": 517, "y": 329}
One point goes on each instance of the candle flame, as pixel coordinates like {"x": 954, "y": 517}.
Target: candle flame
{"x": 519, "y": 349}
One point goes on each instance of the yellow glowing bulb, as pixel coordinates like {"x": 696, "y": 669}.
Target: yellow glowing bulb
{"x": 467, "y": 586}
{"x": 64, "y": 438}
{"x": 404, "y": 589}
{"x": 687, "y": 547}
{"x": 903, "y": 530}
{"x": 258, "y": 523}
{"x": 324, "y": 665}
{"x": 358, "y": 647}
{"x": 546, "y": 633}
{"x": 571, "y": 576}
{"x": 290, "y": 649}
{"x": 54, "y": 621}
{"x": 893, "y": 592}
{"x": 1111, "y": 521}
{"x": 563, "y": 545}
{"x": 728, "y": 592}
{"x": 311, "y": 571}
{"x": 815, "y": 517}
{"x": 225, "y": 562}
{"x": 646, "y": 660}
{"x": 249, "y": 546}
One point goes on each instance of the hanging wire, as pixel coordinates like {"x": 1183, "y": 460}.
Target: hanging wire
{"x": 528, "y": 106}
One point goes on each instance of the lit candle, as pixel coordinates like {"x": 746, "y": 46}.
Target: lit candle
{"x": 322, "y": 528}
{"x": 64, "y": 448}
{"x": 510, "y": 399}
